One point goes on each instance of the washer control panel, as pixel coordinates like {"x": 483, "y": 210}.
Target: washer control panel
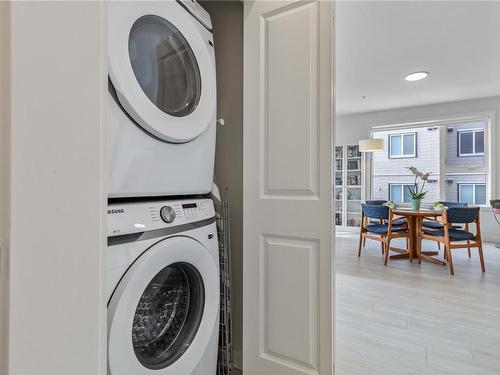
{"x": 128, "y": 218}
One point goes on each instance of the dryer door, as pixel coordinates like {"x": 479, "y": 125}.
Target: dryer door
{"x": 162, "y": 67}
{"x": 163, "y": 312}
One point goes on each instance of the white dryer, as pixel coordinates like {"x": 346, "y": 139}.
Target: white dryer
{"x": 162, "y": 288}
{"x": 162, "y": 99}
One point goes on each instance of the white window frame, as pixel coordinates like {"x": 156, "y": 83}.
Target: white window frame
{"x": 403, "y": 185}
{"x": 402, "y": 154}
{"x": 473, "y": 131}
{"x": 474, "y": 184}
{"x": 489, "y": 118}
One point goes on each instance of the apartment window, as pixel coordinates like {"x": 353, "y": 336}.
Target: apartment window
{"x": 403, "y": 145}
{"x": 399, "y": 193}
{"x": 471, "y": 142}
{"x": 472, "y": 193}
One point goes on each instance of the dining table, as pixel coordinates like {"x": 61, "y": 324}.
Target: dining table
{"x": 414, "y": 219}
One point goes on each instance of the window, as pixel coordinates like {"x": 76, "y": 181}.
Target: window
{"x": 472, "y": 193}
{"x": 471, "y": 142}
{"x": 402, "y": 145}
{"x": 399, "y": 193}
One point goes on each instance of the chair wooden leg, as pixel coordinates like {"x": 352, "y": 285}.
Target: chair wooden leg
{"x": 382, "y": 247}
{"x": 449, "y": 258}
{"x": 387, "y": 246}
{"x": 419, "y": 250}
{"x": 481, "y": 256}
{"x": 361, "y": 241}
{"x": 468, "y": 248}
{"x": 364, "y": 241}
{"x": 439, "y": 245}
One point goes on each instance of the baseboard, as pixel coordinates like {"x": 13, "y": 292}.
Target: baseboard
{"x": 237, "y": 360}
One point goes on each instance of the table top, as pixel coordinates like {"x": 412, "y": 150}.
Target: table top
{"x": 421, "y": 212}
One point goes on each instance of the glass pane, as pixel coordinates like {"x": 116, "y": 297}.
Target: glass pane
{"x": 480, "y": 194}
{"x": 479, "y": 142}
{"x": 168, "y": 315}
{"x": 164, "y": 65}
{"x": 466, "y": 143}
{"x": 395, "y": 145}
{"x": 395, "y": 193}
{"x": 407, "y": 194}
{"x": 466, "y": 194}
{"x": 408, "y": 144}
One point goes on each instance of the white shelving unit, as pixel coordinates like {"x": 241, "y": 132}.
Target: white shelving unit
{"x": 349, "y": 186}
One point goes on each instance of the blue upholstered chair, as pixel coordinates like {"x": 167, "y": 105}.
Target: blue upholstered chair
{"x": 453, "y": 238}
{"x": 381, "y": 202}
{"x": 383, "y": 231}
{"x": 434, "y": 224}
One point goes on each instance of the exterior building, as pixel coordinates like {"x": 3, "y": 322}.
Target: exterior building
{"x": 453, "y": 154}
{"x": 465, "y": 164}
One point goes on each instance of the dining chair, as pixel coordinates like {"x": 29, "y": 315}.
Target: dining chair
{"x": 453, "y": 238}
{"x": 436, "y": 224}
{"x": 396, "y": 222}
{"x": 384, "y": 231}
{"x": 381, "y": 202}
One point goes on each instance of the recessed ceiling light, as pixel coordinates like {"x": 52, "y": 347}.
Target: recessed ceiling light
{"x": 417, "y": 76}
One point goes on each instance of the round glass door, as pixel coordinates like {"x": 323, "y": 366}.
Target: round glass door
{"x": 164, "y": 65}
{"x": 168, "y": 315}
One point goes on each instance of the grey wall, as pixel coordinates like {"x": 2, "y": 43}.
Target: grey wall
{"x": 227, "y": 19}
{"x": 352, "y": 128}
{"x": 4, "y": 175}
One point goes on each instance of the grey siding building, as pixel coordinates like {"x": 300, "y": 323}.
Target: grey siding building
{"x": 456, "y": 163}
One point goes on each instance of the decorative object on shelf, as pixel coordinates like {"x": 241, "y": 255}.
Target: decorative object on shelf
{"x": 371, "y": 145}
{"x": 354, "y": 165}
{"x": 353, "y": 151}
{"x": 354, "y": 180}
{"x": 417, "y": 192}
{"x": 338, "y": 152}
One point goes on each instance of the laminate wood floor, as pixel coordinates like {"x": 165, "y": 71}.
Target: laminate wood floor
{"x": 414, "y": 319}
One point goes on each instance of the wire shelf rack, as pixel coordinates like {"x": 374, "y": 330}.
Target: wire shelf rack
{"x": 225, "y": 353}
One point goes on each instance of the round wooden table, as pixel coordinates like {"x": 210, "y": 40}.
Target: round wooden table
{"x": 414, "y": 219}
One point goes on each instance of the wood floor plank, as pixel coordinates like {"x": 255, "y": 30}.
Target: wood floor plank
{"x": 414, "y": 319}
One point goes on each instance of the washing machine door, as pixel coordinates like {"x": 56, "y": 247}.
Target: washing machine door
{"x": 163, "y": 312}
{"x": 162, "y": 66}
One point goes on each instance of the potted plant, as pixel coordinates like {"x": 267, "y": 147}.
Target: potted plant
{"x": 417, "y": 192}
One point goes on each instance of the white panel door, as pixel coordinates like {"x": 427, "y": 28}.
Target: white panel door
{"x": 287, "y": 257}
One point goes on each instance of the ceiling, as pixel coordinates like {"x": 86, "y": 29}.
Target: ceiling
{"x": 379, "y": 43}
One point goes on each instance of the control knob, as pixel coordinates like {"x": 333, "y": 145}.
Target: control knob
{"x": 167, "y": 214}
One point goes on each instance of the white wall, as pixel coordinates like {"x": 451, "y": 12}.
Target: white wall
{"x": 4, "y": 176}
{"x": 57, "y": 312}
{"x": 352, "y": 128}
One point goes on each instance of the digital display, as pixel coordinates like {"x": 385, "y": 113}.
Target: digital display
{"x": 189, "y": 205}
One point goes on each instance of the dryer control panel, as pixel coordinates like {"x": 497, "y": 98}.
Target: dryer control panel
{"x": 198, "y": 12}
{"x": 129, "y": 218}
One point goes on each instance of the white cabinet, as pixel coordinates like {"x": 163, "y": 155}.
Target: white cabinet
{"x": 348, "y": 186}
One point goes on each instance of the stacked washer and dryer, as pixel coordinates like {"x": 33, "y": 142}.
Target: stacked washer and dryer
{"x": 162, "y": 261}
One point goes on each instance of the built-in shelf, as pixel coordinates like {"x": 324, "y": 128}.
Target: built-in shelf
{"x": 348, "y": 197}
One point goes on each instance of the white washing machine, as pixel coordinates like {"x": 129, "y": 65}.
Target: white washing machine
{"x": 161, "y": 116}
{"x": 162, "y": 288}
